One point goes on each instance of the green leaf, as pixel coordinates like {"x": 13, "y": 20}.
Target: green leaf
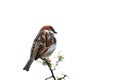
{"x": 60, "y": 58}
{"x": 59, "y": 79}
{"x": 44, "y": 63}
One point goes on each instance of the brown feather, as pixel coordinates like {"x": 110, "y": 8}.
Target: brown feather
{"x": 42, "y": 42}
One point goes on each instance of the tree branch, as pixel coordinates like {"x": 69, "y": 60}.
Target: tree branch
{"x": 48, "y": 78}
{"x": 62, "y": 77}
{"x": 49, "y": 66}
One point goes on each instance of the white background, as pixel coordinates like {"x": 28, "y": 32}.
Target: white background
{"x": 88, "y": 37}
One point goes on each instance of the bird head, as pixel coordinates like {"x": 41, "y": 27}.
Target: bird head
{"x": 49, "y": 28}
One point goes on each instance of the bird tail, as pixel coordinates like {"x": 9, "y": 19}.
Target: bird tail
{"x": 27, "y": 66}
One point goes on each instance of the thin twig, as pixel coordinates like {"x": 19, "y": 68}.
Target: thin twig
{"x": 48, "y": 78}
{"x": 62, "y": 77}
{"x": 49, "y": 65}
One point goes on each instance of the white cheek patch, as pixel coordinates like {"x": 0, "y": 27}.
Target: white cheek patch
{"x": 46, "y": 31}
{"x": 51, "y": 32}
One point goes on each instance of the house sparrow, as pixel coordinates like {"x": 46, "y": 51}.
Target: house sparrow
{"x": 43, "y": 46}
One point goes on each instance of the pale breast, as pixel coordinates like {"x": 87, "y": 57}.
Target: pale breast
{"x": 50, "y": 50}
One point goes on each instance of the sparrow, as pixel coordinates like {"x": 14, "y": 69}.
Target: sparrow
{"x": 43, "y": 45}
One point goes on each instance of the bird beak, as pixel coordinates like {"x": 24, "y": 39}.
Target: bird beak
{"x": 55, "y": 32}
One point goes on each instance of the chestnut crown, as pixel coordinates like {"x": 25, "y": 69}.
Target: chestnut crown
{"x": 48, "y": 27}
